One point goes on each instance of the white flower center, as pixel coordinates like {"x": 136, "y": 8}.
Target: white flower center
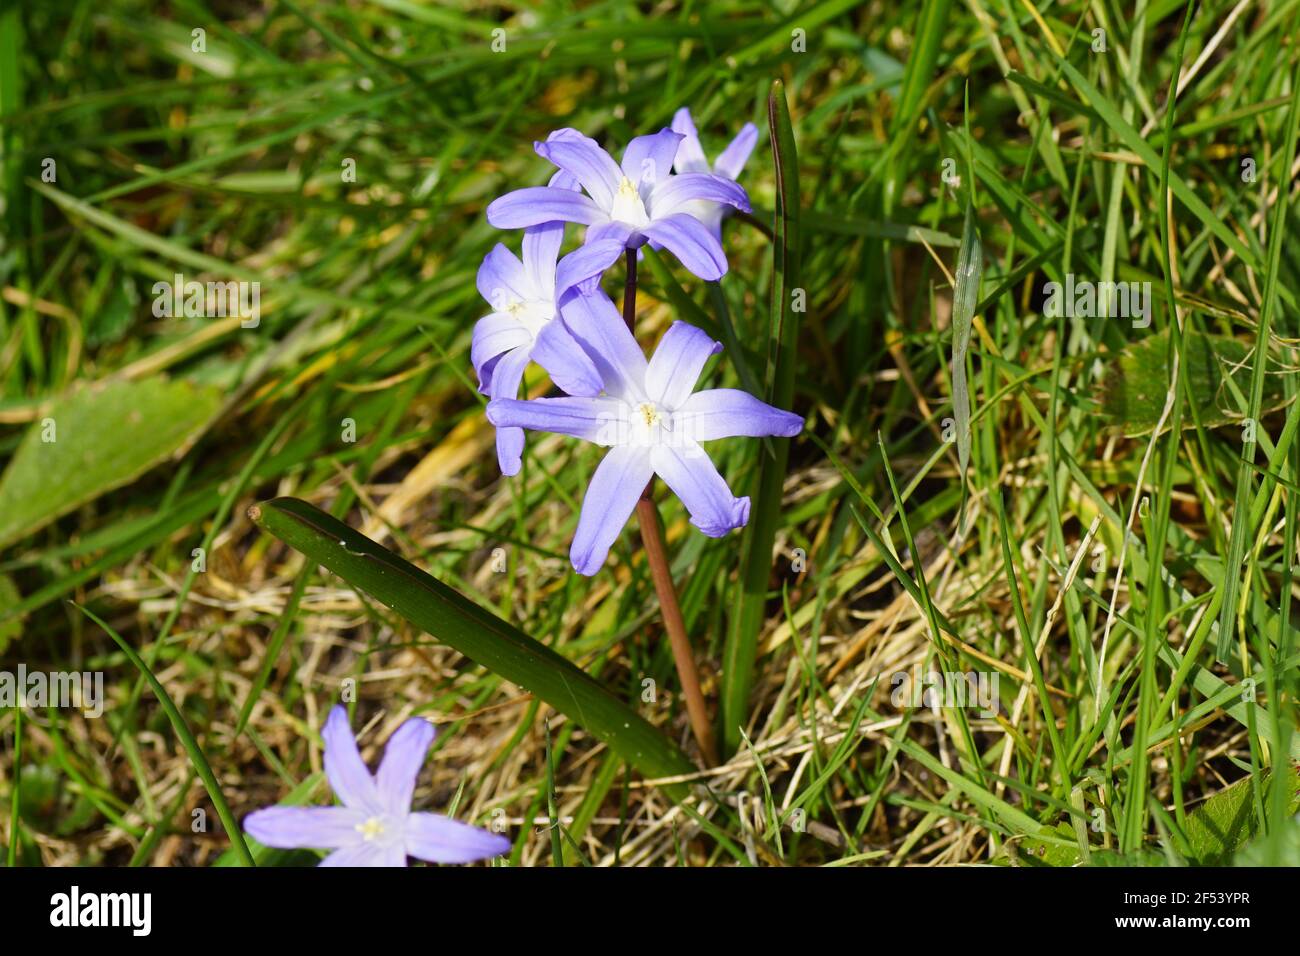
{"x": 628, "y": 206}
{"x": 648, "y": 424}
{"x": 532, "y": 315}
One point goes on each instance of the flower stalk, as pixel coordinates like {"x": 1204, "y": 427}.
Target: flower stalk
{"x": 656, "y": 550}
{"x": 647, "y": 412}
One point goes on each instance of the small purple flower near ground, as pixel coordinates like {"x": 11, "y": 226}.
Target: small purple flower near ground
{"x": 652, "y": 420}
{"x": 375, "y": 825}
{"x": 638, "y": 201}
{"x": 729, "y": 164}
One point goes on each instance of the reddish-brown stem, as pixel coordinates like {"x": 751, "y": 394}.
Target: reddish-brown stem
{"x": 656, "y": 552}
{"x": 629, "y": 292}
{"x": 657, "y": 557}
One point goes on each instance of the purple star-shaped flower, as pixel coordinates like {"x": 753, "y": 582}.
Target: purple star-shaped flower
{"x": 729, "y": 164}
{"x": 639, "y": 201}
{"x": 525, "y": 297}
{"x": 375, "y": 825}
{"x": 652, "y": 420}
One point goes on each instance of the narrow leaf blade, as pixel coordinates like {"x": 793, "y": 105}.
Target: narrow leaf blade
{"x": 749, "y": 609}
{"x": 477, "y": 633}
{"x": 965, "y": 296}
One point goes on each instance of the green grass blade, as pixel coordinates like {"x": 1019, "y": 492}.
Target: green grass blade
{"x": 192, "y": 748}
{"x": 15, "y": 794}
{"x": 749, "y": 608}
{"x": 970, "y": 266}
{"x": 1131, "y": 138}
{"x": 552, "y": 814}
{"x": 1241, "y": 524}
{"x": 921, "y": 64}
{"x": 1133, "y": 820}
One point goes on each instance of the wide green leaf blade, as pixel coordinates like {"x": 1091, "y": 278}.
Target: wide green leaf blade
{"x": 1136, "y": 386}
{"x": 94, "y": 440}
{"x": 1223, "y": 823}
{"x": 477, "y": 633}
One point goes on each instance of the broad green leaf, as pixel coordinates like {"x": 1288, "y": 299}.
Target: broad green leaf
{"x": 1222, "y": 824}
{"x": 1057, "y": 850}
{"x": 94, "y": 440}
{"x": 1279, "y": 847}
{"x": 51, "y": 802}
{"x": 1136, "y": 385}
{"x": 480, "y": 635}
{"x": 1215, "y": 830}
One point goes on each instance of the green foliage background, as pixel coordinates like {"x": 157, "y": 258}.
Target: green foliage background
{"x": 1127, "y": 699}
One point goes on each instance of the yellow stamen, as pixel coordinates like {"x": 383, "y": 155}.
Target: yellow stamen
{"x": 372, "y": 828}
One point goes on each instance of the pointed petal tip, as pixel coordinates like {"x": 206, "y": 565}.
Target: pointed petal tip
{"x": 714, "y": 345}
{"x": 495, "y": 844}
{"x": 414, "y": 732}
{"x": 257, "y": 825}
{"x": 347, "y": 773}
{"x": 585, "y": 561}
{"x": 563, "y": 133}
{"x": 793, "y": 427}
{"x": 718, "y": 529}
{"x": 438, "y": 839}
{"x": 404, "y": 756}
{"x": 742, "y": 203}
